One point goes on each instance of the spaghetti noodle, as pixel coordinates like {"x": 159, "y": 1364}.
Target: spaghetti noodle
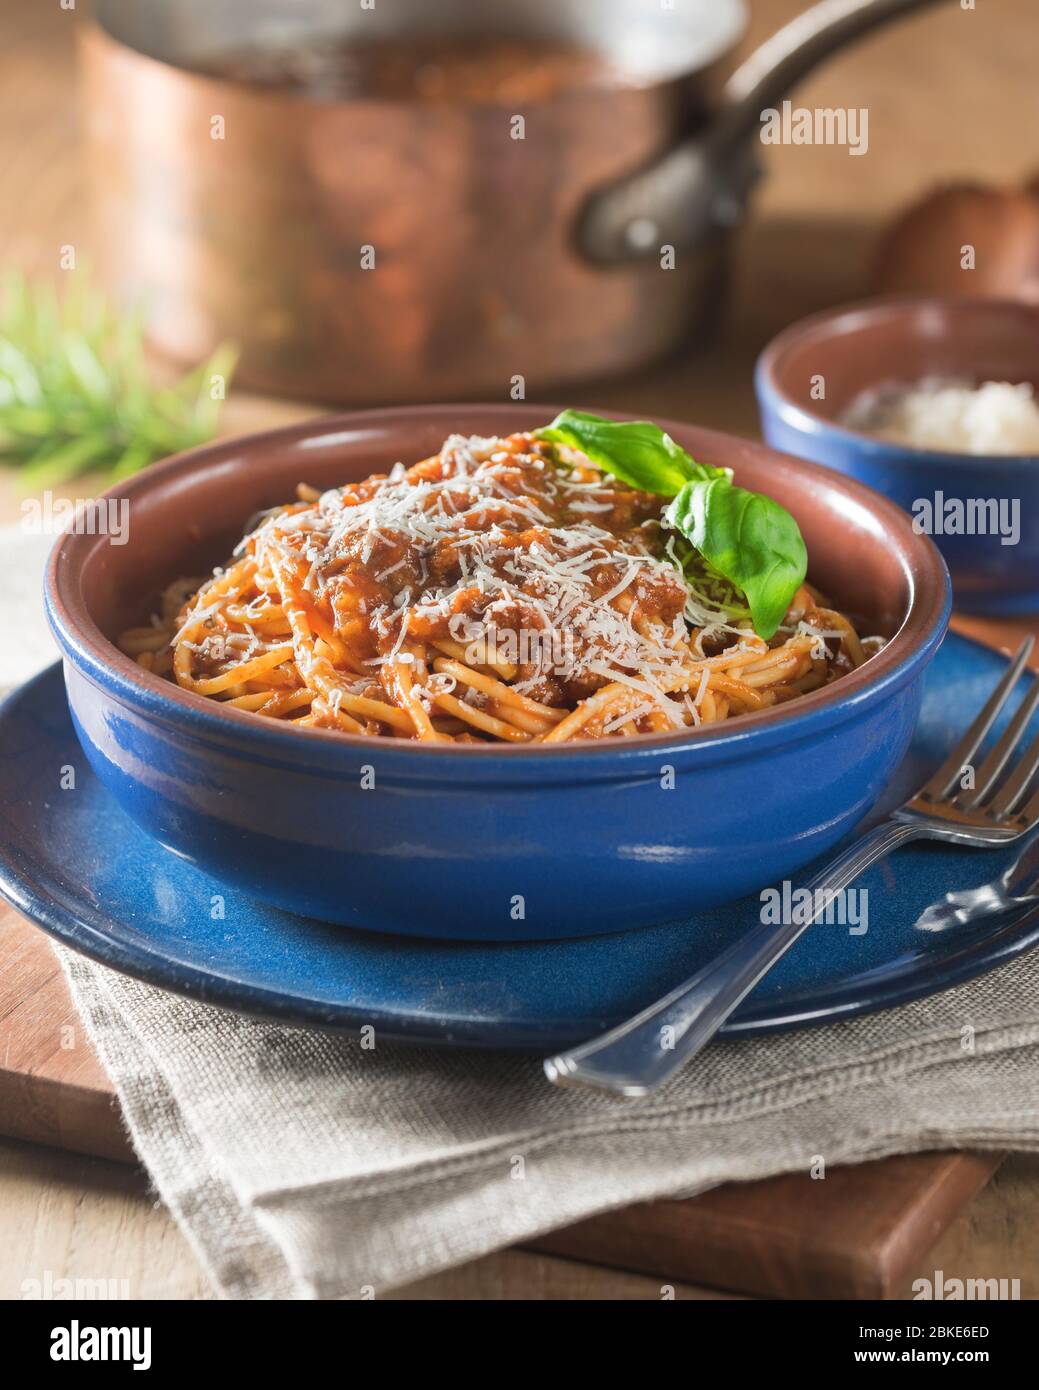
{"x": 501, "y": 590}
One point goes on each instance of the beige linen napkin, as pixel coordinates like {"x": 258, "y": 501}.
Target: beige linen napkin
{"x": 301, "y": 1164}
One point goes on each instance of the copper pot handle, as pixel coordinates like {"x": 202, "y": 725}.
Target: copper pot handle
{"x": 702, "y": 184}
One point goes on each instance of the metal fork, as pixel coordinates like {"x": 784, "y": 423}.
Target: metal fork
{"x": 1017, "y": 886}
{"x": 636, "y": 1057}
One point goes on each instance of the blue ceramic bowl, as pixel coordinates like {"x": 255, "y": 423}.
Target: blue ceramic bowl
{"x": 863, "y": 346}
{"x": 483, "y": 842}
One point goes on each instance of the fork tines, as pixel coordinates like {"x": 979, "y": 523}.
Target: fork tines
{"x": 1014, "y": 790}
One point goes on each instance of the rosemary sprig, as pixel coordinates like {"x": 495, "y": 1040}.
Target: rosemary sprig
{"x": 75, "y": 391}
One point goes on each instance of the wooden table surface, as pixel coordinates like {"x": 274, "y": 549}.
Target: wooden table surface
{"x": 951, "y": 96}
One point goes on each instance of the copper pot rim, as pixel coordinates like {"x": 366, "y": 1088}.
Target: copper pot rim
{"x": 94, "y": 34}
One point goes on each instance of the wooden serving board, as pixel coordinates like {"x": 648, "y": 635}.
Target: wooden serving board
{"x": 856, "y": 1235}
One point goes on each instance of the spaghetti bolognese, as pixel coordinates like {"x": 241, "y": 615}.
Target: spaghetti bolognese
{"x": 502, "y": 590}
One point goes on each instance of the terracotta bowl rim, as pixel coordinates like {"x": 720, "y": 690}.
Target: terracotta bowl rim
{"x": 91, "y": 653}
{"x": 829, "y": 323}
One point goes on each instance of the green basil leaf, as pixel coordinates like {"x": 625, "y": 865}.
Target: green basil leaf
{"x": 635, "y": 452}
{"x": 747, "y": 538}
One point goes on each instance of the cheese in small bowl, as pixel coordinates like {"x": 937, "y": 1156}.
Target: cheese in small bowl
{"x": 997, "y": 417}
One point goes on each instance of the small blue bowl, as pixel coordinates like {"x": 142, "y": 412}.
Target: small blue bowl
{"x": 483, "y": 842}
{"x": 904, "y": 340}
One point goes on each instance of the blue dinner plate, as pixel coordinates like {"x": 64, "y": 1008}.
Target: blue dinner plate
{"x": 74, "y": 863}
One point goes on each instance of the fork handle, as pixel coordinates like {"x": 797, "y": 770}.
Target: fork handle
{"x": 639, "y": 1055}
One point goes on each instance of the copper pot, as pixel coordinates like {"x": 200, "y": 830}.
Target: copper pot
{"x": 500, "y": 265}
